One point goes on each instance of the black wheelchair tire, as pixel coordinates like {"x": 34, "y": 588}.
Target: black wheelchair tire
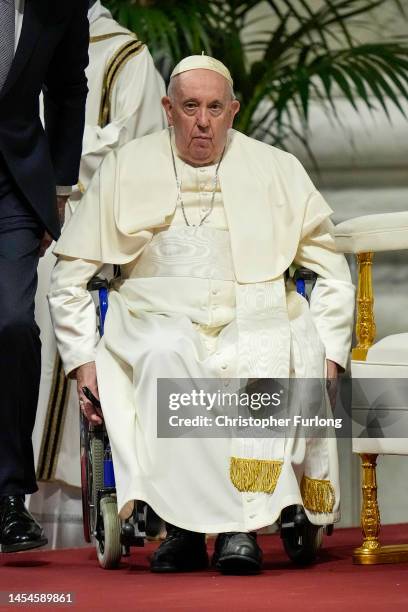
{"x": 305, "y": 553}
{"x": 85, "y": 476}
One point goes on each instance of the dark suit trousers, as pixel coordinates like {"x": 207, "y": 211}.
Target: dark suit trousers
{"x": 20, "y": 346}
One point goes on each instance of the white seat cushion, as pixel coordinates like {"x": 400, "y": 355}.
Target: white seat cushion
{"x": 387, "y": 358}
{"x": 381, "y": 446}
{"x": 391, "y": 350}
{"x": 380, "y": 232}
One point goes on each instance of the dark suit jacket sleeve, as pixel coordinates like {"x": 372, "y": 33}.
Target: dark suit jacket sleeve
{"x": 65, "y": 90}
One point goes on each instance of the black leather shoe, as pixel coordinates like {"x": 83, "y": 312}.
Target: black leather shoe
{"x": 181, "y": 551}
{"x": 237, "y": 553}
{"x": 18, "y": 529}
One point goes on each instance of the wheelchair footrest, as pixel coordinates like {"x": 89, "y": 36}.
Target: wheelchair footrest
{"x": 129, "y": 536}
{"x": 131, "y": 541}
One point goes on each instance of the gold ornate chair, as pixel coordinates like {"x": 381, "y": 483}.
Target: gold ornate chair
{"x": 387, "y": 358}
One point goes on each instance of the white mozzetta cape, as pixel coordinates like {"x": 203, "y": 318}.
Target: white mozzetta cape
{"x": 269, "y": 200}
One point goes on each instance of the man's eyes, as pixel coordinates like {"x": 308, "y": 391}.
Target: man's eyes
{"x": 213, "y": 108}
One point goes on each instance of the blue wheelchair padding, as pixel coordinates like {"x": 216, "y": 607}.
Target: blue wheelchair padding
{"x": 301, "y": 287}
{"x": 108, "y": 471}
{"x": 103, "y": 307}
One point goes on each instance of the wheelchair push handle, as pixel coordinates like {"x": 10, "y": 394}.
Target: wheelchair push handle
{"x": 89, "y": 395}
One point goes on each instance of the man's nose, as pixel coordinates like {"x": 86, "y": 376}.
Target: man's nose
{"x": 202, "y": 118}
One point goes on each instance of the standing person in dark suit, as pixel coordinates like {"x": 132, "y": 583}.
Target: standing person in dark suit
{"x": 43, "y": 46}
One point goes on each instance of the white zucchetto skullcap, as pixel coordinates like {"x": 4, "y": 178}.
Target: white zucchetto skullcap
{"x": 194, "y": 62}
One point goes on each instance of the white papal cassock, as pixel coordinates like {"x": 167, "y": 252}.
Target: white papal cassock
{"x": 205, "y": 302}
{"x": 123, "y": 103}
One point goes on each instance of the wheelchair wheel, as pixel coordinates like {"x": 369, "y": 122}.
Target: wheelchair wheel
{"x": 85, "y": 477}
{"x": 301, "y": 539}
{"x": 97, "y": 453}
{"x": 92, "y": 452}
{"x": 109, "y": 548}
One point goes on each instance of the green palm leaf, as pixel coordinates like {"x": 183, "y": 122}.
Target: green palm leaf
{"x": 305, "y": 53}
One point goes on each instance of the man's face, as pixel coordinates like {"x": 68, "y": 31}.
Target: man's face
{"x": 202, "y": 111}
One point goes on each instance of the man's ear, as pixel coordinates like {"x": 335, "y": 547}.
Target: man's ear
{"x": 235, "y": 105}
{"x": 168, "y": 107}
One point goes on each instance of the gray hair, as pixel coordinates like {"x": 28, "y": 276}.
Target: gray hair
{"x": 170, "y": 89}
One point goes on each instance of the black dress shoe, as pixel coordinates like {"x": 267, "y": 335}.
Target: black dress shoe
{"x": 237, "y": 553}
{"x": 18, "y": 529}
{"x": 181, "y": 551}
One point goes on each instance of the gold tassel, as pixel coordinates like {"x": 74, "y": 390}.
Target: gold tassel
{"x": 255, "y": 475}
{"x": 317, "y": 495}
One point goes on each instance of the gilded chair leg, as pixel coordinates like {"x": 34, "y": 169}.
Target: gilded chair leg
{"x": 370, "y": 514}
{"x": 371, "y": 551}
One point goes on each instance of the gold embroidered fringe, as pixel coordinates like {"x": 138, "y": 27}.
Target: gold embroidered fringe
{"x": 317, "y": 495}
{"x": 255, "y": 475}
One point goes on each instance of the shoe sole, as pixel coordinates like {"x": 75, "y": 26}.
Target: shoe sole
{"x": 10, "y": 548}
{"x": 238, "y": 564}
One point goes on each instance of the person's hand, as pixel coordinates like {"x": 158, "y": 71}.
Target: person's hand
{"x": 332, "y": 381}
{"x": 86, "y": 377}
{"x": 61, "y": 201}
{"x": 46, "y": 240}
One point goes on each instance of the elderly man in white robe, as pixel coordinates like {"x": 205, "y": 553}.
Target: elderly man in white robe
{"x": 204, "y": 222}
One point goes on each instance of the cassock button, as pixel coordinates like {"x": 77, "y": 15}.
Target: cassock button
{"x": 224, "y": 366}
{"x": 252, "y": 516}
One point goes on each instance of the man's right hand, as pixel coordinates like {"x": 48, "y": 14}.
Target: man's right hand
{"x": 86, "y": 377}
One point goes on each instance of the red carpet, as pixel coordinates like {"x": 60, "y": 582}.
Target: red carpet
{"x": 333, "y": 584}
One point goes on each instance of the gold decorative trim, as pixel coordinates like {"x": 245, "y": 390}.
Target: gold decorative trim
{"x": 371, "y": 550}
{"x": 255, "y": 475}
{"x": 126, "y": 52}
{"x": 54, "y": 424}
{"x": 365, "y": 323}
{"x": 317, "y": 495}
{"x": 100, "y": 37}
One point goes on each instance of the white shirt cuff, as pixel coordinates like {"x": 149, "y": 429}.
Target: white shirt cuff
{"x": 64, "y": 190}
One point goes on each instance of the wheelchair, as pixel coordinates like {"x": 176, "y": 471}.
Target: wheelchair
{"x": 114, "y": 537}
{"x": 101, "y": 523}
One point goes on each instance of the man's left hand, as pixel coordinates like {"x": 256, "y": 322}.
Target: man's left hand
{"x": 331, "y": 381}
{"x": 61, "y": 201}
{"x": 46, "y": 240}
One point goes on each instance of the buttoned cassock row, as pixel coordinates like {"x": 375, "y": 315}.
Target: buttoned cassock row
{"x": 205, "y": 302}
